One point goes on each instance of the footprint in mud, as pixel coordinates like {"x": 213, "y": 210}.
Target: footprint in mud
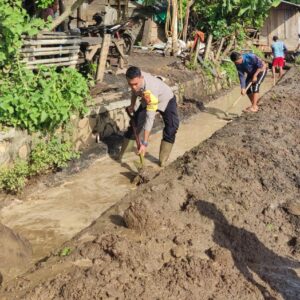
{"x": 251, "y": 255}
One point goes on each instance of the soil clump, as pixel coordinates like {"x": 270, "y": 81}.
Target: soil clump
{"x": 221, "y": 222}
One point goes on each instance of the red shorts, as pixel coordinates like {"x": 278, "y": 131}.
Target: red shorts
{"x": 278, "y": 62}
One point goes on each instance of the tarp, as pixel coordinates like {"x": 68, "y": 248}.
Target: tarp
{"x": 159, "y": 9}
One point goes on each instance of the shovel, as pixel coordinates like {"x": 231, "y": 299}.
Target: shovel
{"x": 139, "y": 164}
{"x": 227, "y": 114}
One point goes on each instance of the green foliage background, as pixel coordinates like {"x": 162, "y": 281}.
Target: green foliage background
{"x": 37, "y": 101}
{"x": 225, "y": 17}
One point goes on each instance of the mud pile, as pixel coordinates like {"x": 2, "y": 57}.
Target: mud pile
{"x": 221, "y": 222}
{"x": 14, "y": 251}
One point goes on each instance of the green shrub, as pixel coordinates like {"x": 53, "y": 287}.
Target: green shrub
{"x": 257, "y": 52}
{"x": 45, "y": 156}
{"x": 42, "y": 101}
{"x": 230, "y": 70}
{"x": 50, "y": 155}
{"x": 14, "y": 179}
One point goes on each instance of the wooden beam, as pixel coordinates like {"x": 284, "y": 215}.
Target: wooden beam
{"x": 52, "y": 42}
{"x": 208, "y": 46}
{"x": 46, "y": 49}
{"x": 220, "y": 49}
{"x": 103, "y": 57}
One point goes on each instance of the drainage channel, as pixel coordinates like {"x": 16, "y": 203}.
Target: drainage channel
{"x": 50, "y": 217}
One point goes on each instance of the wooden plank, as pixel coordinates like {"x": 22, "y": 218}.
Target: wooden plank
{"x": 103, "y": 57}
{"x": 208, "y": 46}
{"x": 53, "y": 33}
{"x": 49, "y": 53}
{"x": 46, "y": 49}
{"x": 52, "y": 42}
{"x": 147, "y": 32}
{"x": 220, "y": 49}
{"x": 93, "y": 49}
{"x": 51, "y": 37}
{"x": 50, "y": 60}
{"x": 196, "y": 52}
{"x": 91, "y": 40}
{"x": 63, "y": 64}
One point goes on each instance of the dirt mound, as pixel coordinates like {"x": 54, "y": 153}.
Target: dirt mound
{"x": 219, "y": 223}
{"x": 15, "y": 252}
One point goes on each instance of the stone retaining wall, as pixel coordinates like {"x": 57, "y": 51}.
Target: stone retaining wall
{"x": 106, "y": 117}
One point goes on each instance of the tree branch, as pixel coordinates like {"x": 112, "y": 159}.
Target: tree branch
{"x": 68, "y": 11}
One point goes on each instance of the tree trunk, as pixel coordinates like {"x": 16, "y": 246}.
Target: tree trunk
{"x": 186, "y": 20}
{"x": 68, "y": 11}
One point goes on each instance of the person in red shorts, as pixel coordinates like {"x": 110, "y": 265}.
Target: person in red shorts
{"x": 279, "y": 50}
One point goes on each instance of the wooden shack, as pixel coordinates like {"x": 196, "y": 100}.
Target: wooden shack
{"x": 283, "y": 21}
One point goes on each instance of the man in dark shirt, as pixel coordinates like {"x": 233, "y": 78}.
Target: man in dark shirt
{"x": 251, "y": 69}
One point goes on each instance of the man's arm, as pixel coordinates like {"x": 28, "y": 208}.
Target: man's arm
{"x": 132, "y": 104}
{"x": 261, "y": 66}
{"x": 147, "y": 129}
{"x": 273, "y": 50}
{"x": 242, "y": 81}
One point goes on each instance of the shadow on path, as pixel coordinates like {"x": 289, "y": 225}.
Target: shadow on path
{"x": 251, "y": 255}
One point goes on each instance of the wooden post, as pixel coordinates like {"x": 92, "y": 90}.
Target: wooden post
{"x": 174, "y": 27}
{"x": 229, "y": 46}
{"x": 208, "y": 46}
{"x": 220, "y": 49}
{"x": 119, "y": 11}
{"x": 126, "y": 8}
{"x": 197, "y": 52}
{"x": 147, "y": 32}
{"x": 103, "y": 57}
{"x": 186, "y": 20}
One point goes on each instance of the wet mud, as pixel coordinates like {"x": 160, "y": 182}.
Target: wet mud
{"x": 220, "y": 222}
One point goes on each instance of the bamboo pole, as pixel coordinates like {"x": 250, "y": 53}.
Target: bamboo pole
{"x": 220, "y": 49}
{"x": 208, "y": 46}
{"x": 68, "y": 11}
{"x": 186, "y": 20}
{"x": 197, "y": 52}
{"x": 175, "y": 27}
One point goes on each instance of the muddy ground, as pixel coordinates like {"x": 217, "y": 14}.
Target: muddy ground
{"x": 221, "y": 222}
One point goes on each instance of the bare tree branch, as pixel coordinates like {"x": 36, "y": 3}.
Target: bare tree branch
{"x": 68, "y": 11}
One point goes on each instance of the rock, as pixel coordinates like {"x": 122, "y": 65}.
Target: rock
{"x": 83, "y": 123}
{"x": 23, "y": 152}
{"x": 178, "y": 252}
{"x": 293, "y": 207}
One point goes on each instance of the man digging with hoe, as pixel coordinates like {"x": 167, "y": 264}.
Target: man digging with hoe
{"x": 156, "y": 96}
{"x": 252, "y": 71}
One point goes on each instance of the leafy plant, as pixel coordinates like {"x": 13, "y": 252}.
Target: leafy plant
{"x": 225, "y": 17}
{"x": 14, "y": 21}
{"x": 50, "y": 155}
{"x": 257, "y": 52}
{"x": 230, "y": 70}
{"x": 14, "y": 179}
{"x": 42, "y": 101}
{"x": 47, "y": 155}
{"x": 65, "y": 251}
{"x": 44, "y": 3}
